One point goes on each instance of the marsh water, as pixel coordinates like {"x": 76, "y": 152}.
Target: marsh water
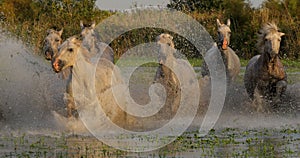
{"x": 31, "y": 98}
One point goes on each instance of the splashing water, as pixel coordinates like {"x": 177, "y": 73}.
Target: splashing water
{"x": 29, "y": 88}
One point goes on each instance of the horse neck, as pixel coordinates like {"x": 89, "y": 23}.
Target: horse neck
{"x": 89, "y": 41}
{"x": 225, "y": 54}
{"x": 268, "y": 61}
{"x": 267, "y": 58}
{"x": 82, "y": 77}
{"x": 82, "y": 62}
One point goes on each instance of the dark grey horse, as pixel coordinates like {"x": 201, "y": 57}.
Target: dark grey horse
{"x": 265, "y": 75}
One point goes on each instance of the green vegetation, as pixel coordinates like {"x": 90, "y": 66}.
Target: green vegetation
{"x": 246, "y": 21}
{"x": 29, "y": 20}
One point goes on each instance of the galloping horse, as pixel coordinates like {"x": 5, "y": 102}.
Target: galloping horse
{"x": 51, "y": 43}
{"x": 231, "y": 60}
{"x": 165, "y": 57}
{"x": 71, "y": 52}
{"x": 164, "y": 73}
{"x": 92, "y": 43}
{"x": 265, "y": 73}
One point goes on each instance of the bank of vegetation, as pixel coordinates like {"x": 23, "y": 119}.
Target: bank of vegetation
{"x": 29, "y": 20}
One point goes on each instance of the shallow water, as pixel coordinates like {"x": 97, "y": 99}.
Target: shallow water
{"x": 30, "y": 91}
{"x": 218, "y": 143}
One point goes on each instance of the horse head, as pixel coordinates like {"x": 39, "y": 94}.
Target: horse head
{"x": 87, "y": 30}
{"x": 51, "y": 43}
{"x": 166, "y": 44}
{"x": 67, "y": 54}
{"x": 269, "y": 39}
{"x": 224, "y": 33}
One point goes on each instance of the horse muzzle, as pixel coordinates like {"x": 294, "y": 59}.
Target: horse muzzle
{"x": 48, "y": 55}
{"x": 57, "y": 65}
{"x": 224, "y": 44}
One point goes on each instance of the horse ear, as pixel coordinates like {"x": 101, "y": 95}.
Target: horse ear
{"x": 228, "y": 22}
{"x": 219, "y": 23}
{"x": 93, "y": 25}
{"x": 60, "y": 32}
{"x": 81, "y": 24}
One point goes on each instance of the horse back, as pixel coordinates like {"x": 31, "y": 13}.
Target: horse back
{"x": 232, "y": 62}
{"x": 251, "y": 75}
{"x": 106, "y": 51}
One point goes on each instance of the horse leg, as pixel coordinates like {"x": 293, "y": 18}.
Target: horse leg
{"x": 159, "y": 73}
{"x": 280, "y": 88}
{"x": 250, "y": 88}
{"x": 70, "y": 100}
{"x": 70, "y": 104}
{"x": 258, "y": 100}
{"x": 204, "y": 69}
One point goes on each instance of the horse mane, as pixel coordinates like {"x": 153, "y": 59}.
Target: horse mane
{"x": 263, "y": 32}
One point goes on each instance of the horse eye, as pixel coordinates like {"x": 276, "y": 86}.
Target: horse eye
{"x": 70, "y": 49}
{"x": 56, "y": 40}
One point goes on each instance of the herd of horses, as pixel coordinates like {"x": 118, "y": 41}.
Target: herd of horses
{"x": 264, "y": 79}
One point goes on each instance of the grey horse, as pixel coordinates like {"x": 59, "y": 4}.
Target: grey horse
{"x": 92, "y": 42}
{"x": 265, "y": 75}
{"x": 165, "y": 57}
{"x": 165, "y": 75}
{"x": 231, "y": 60}
{"x": 51, "y": 43}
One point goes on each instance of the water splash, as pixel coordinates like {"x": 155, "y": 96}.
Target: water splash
{"x": 29, "y": 89}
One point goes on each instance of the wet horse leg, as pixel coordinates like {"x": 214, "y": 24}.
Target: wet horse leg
{"x": 159, "y": 73}
{"x": 280, "y": 88}
{"x": 257, "y": 100}
{"x": 70, "y": 99}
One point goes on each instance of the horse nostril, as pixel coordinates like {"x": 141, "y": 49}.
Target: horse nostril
{"x": 48, "y": 55}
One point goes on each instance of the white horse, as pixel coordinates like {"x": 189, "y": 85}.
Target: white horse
{"x": 72, "y": 54}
